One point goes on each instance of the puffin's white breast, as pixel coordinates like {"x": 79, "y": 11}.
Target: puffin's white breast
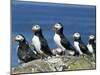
{"x": 76, "y": 44}
{"x": 37, "y": 44}
{"x": 57, "y": 40}
{"x": 90, "y": 48}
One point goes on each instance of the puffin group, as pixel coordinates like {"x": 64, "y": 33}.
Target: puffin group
{"x": 39, "y": 48}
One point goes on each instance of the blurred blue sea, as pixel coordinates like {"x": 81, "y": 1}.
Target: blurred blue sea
{"x": 75, "y": 18}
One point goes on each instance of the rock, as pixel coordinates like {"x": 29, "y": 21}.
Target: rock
{"x": 61, "y": 63}
{"x": 80, "y": 63}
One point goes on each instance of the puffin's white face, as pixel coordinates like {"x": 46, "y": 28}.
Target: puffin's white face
{"x": 19, "y": 38}
{"x": 76, "y": 35}
{"x": 57, "y": 26}
{"x": 35, "y": 28}
{"x": 91, "y": 37}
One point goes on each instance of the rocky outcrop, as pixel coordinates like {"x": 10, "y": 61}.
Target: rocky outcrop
{"x": 61, "y": 63}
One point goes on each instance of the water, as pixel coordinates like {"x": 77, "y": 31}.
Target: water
{"x": 74, "y": 18}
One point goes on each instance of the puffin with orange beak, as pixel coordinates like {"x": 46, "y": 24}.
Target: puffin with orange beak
{"x": 24, "y": 52}
{"x": 92, "y": 45}
{"x": 40, "y": 43}
{"x": 79, "y": 44}
{"x": 61, "y": 41}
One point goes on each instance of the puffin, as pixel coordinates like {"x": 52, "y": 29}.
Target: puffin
{"x": 40, "y": 43}
{"x": 61, "y": 41}
{"x": 79, "y": 44}
{"x": 92, "y": 45}
{"x": 24, "y": 52}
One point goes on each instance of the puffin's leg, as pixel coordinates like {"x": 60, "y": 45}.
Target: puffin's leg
{"x": 63, "y": 53}
{"x": 43, "y": 56}
{"x": 93, "y": 55}
{"x": 83, "y": 55}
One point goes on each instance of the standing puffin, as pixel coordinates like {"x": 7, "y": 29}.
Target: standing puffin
{"x": 92, "y": 45}
{"x": 24, "y": 52}
{"x": 61, "y": 41}
{"x": 79, "y": 45}
{"x": 40, "y": 43}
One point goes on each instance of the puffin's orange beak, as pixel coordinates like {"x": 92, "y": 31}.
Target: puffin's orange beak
{"x": 34, "y": 30}
{"x": 13, "y": 40}
{"x": 54, "y": 28}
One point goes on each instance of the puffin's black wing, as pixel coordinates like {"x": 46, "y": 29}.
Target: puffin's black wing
{"x": 84, "y": 48}
{"x": 32, "y": 52}
{"x": 44, "y": 47}
{"x": 25, "y": 53}
{"x": 66, "y": 43}
{"x": 20, "y": 54}
{"x": 94, "y": 47}
{"x": 94, "y": 44}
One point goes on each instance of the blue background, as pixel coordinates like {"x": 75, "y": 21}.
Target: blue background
{"x": 75, "y": 18}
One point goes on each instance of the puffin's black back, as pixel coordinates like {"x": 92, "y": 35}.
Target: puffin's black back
{"x": 25, "y": 53}
{"x": 83, "y": 48}
{"x": 66, "y": 43}
{"x": 64, "y": 40}
{"x": 93, "y": 44}
{"x": 44, "y": 45}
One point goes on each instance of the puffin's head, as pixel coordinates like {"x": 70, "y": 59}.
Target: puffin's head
{"x": 58, "y": 27}
{"x": 36, "y": 28}
{"x": 76, "y": 36}
{"x": 19, "y": 38}
{"x": 91, "y": 37}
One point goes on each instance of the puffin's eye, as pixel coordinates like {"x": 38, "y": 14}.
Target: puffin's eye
{"x": 77, "y": 34}
{"x": 58, "y": 25}
{"x": 36, "y": 26}
{"x": 18, "y": 36}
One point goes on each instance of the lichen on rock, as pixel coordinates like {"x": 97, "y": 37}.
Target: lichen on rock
{"x": 61, "y": 63}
